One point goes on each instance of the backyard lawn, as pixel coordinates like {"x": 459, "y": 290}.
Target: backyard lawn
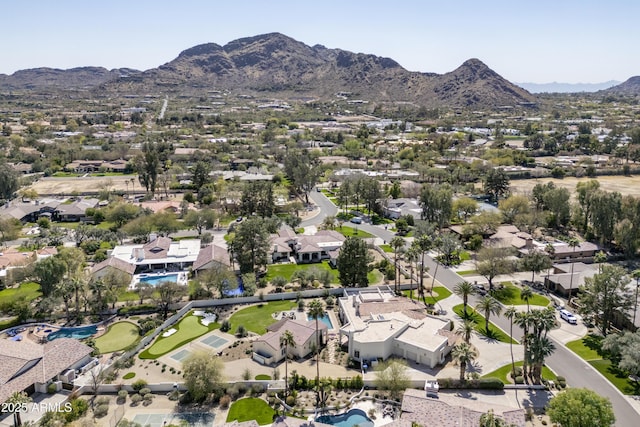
{"x": 188, "y": 329}
{"x": 119, "y": 336}
{"x": 28, "y": 291}
{"x": 439, "y": 293}
{"x": 348, "y": 231}
{"x": 256, "y": 318}
{"x": 494, "y": 332}
{"x": 589, "y": 349}
{"x": 251, "y": 408}
{"x": 510, "y": 295}
{"x": 287, "y": 270}
{"x": 503, "y": 373}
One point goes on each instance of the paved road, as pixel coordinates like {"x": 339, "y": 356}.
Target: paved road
{"x": 563, "y": 361}
{"x": 327, "y": 208}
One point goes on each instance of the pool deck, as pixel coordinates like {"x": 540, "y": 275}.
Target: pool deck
{"x": 182, "y": 279}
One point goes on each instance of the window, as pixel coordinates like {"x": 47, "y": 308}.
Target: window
{"x": 356, "y": 354}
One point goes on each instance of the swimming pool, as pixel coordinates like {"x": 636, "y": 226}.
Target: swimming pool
{"x": 79, "y": 333}
{"x": 156, "y": 280}
{"x": 324, "y": 319}
{"x": 349, "y": 419}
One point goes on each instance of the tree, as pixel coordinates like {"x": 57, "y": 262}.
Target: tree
{"x": 19, "y": 402}
{"x": 371, "y": 194}
{"x": 353, "y": 261}
{"x": 144, "y": 290}
{"x": 257, "y": 199}
{"x": 203, "y": 375}
{"x": 464, "y": 290}
{"x": 392, "y": 375}
{"x": 488, "y": 305}
{"x": 556, "y": 201}
{"x": 122, "y": 213}
{"x": 536, "y": 261}
{"x": 200, "y": 220}
{"x": 464, "y": 208}
{"x": 465, "y": 329}
{"x": 9, "y": 229}
{"x": 147, "y": 166}
{"x": 50, "y": 272}
{"x": 605, "y": 212}
{"x": 397, "y": 243}
{"x": 302, "y": 170}
{"x": 329, "y": 222}
{"x": 316, "y": 311}
{"x": 510, "y": 313}
{"x": 201, "y": 174}
{"x": 489, "y": 419}
{"x": 464, "y": 355}
{"x": 169, "y": 293}
{"x": 580, "y": 407}
{"x": 219, "y": 277}
{"x": 539, "y": 349}
{"x": 9, "y": 181}
{"x": 496, "y": 184}
{"x": 411, "y": 256}
{"x": 286, "y": 340}
{"x": 493, "y": 261}
{"x": 437, "y": 204}
{"x": 606, "y": 294}
{"x": 513, "y": 207}
{"x": 526, "y": 294}
{"x": 250, "y": 244}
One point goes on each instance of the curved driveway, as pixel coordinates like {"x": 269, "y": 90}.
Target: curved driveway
{"x": 563, "y": 361}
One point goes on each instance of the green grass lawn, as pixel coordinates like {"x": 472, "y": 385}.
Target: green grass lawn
{"x": 510, "y": 295}
{"x": 287, "y": 270}
{"x": 464, "y": 256}
{"x": 386, "y": 248}
{"x": 467, "y": 272}
{"x": 439, "y": 293}
{"x": 189, "y": 328}
{"x": 251, "y": 408}
{"x": 257, "y": 317}
{"x": 375, "y": 277}
{"x": 8, "y": 323}
{"x": 28, "y": 291}
{"x": 348, "y": 231}
{"x": 494, "y": 332}
{"x": 503, "y": 373}
{"x": 263, "y": 377}
{"x": 588, "y": 348}
{"x": 119, "y": 336}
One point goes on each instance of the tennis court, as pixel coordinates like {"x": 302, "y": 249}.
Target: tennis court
{"x": 214, "y": 341}
{"x": 195, "y": 419}
{"x": 181, "y": 355}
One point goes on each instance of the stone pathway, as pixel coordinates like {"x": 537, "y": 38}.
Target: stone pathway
{"x": 331, "y": 349}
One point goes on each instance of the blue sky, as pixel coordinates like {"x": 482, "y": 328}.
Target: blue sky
{"x": 524, "y": 41}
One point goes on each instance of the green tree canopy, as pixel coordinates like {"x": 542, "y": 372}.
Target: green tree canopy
{"x": 203, "y": 375}
{"x": 353, "y": 263}
{"x": 580, "y": 407}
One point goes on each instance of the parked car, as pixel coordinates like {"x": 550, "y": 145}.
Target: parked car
{"x": 356, "y": 220}
{"x": 567, "y": 316}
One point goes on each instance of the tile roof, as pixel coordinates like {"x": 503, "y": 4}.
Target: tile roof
{"x": 301, "y": 331}
{"x": 115, "y": 263}
{"x": 211, "y": 253}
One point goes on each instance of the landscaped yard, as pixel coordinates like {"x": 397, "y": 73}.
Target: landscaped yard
{"x": 251, "y": 408}
{"x": 439, "y": 293}
{"x": 494, "y": 332}
{"x": 510, "y": 295}
{"x": 589, "y": 349}
{"x": 28, "y": 291}
{"x": 119, "y": 336}
{"x": 287, "y": 270}
{"x": 188, "y": 329}
{"x": 257, "y": 317}
{"x": 387, "y": 248}
{"x": 503, "y": 373}
{"x": 348, "y": 231}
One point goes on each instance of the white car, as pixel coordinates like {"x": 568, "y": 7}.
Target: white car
{"x": 568, "y": 317}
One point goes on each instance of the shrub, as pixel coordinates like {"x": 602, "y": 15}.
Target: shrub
{"x": 241, "y": 332}
{"x": 291, "y": 401}
{"x": 135, "y": 399}
{"x": 257, "y": 389}
{"x": 225, "y": 401}
{"x": 478, "y": 384}
{"x": 122, "y": 396}
{"x": 519, "y": 379}
{"x": 51, "y": 388}
{"x": 78, "y": 408}
{"x": 144, "y": 308}
{"x": 517, "y": 372}
{"x": 148, "y": 398}
{"x": 102, "y": 400}
{"x": 144, "y": 391}
{"x": 139, "y": 385}
{"x": 100, "y": 410}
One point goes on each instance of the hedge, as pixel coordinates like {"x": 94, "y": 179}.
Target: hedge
{"x": 479, "y": 384}
{"x": 137, "y": 309}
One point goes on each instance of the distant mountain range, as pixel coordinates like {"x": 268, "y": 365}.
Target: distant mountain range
{"x": 556, "y": 87}
{"x": 275, "y": 66}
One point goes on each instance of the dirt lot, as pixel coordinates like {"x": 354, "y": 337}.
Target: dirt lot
{"x": 82, "y": 185}
{"x": 625, "y": 185}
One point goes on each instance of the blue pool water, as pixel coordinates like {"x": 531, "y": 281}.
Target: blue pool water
{"x": 324, "y": 319}
{"x": 349, "y": 419}
{"x": 79, "y": 333}
{"x": 156, "y": 280}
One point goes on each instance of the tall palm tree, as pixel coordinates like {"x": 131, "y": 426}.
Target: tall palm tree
{"x": 574, "y": 243}
{"x": 465, "y": 330}
{"x": 489, "y": 419}
{"x": 539, "y": 349}
{"x": 411, "y": 256}
{"x": 316, "y": 311}
{"x": 464, "y": 354}
{"x": 464, "y": 290}
{"x": 510, "y": 313}
{"x": 423, "y": 244}
{"x": 488, "y": 306}
{"x": 286, "y": 339}
{"x": 524, "y": 321}
{"x": 526, "y": 294}
{"x": 397, "y": 243}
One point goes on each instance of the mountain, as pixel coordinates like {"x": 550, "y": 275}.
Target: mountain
{"x": 630, "y": 87}
{"x": 276, "y": 66}
{"x": 556, "y": 87}
{"x": 74, "y": 78}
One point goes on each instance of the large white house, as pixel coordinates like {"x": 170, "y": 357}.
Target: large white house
{"x": 286, "y": 245}
{"x": 160, "y": 253}
{"x": 378, "y": 325}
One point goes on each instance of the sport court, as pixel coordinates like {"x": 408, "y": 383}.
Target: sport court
{"x": 181, "y": 355}
{"x": 214, "y": 341}
{"x": 195, "y": 419}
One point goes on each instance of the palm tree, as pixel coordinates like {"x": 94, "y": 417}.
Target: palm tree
{"x": 18, "y": 401}
{"x": 574, "y": 243}
{"x": 489, "y": 419}
{"x": 636, "y": 275}
{"x": 488, "y": 306}
{"x": 510, "y": 313}
{"x": 316, "y": 311}
{"x": 464, "y": 290}
{"x": 423, "y": 244}
{"x": 397, "y": 243}
{"x": 526, "y": 294}
{"x": 465, "y": 329}
{"x": 464, "y": 354}
{"x": 329, "y": 223}
{"x": 539, "y": 349}
{"x": 599, "y": 258}
{"x": 411, "y": 256}
{"x": 524, "y": 320}
{"x": 286, "y": 339}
